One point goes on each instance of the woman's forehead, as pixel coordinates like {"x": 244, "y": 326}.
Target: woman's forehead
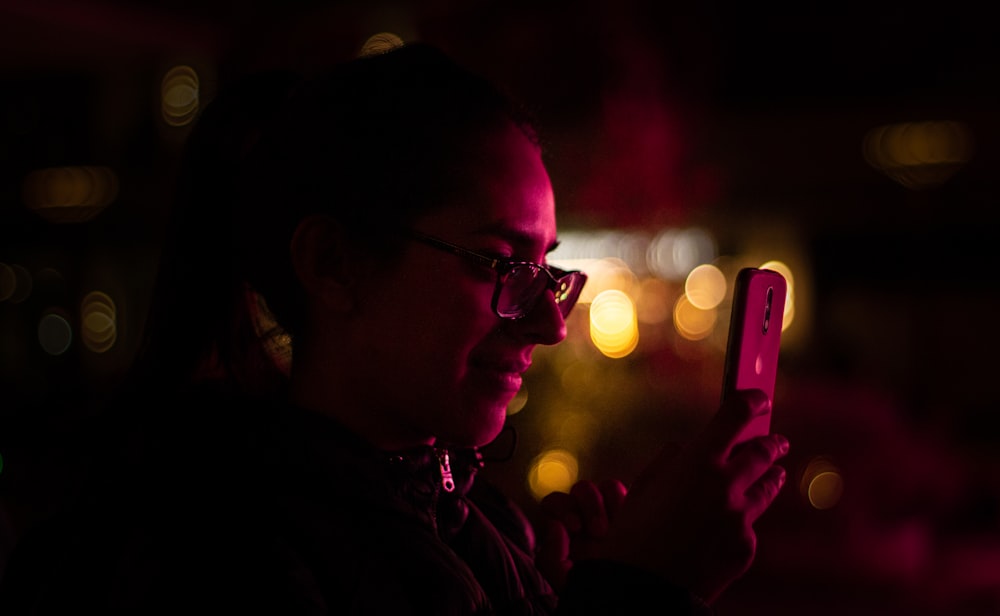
{"x": 521, "y": 233}
{"x": 522, "y": 221}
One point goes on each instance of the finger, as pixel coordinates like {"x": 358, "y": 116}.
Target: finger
{"x": 563, "y": 508}
{"x": 730, "y": 420}
{"x": 591, "y": 503}
{"x": 762, "y": 493}
{"x": 552, "y": 553}
{"x": 752, "y": 458}
{"x": 613, "y": 491}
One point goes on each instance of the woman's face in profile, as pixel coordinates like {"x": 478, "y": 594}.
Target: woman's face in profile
{"x": 443, "y": 364}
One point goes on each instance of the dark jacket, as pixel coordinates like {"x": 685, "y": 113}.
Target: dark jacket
{"x": 302, "y": 518}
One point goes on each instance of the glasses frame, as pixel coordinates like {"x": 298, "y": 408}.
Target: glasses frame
{"x": 503, "y": 266}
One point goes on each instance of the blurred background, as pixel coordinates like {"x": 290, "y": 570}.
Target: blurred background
{"x": 854, "y": 151}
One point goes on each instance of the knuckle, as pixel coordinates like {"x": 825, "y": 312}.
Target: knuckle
{"x": 733, "y": 507}
{"x": 764, "y": 448}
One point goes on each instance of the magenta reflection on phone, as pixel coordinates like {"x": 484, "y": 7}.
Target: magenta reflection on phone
{"x": 754, "y": 343}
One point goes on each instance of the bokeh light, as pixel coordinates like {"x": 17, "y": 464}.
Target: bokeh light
{"x": 555, "y": 470}
{"x": 788, "y": 314}
{"x": 609, "y": 273}
{"x": 55, "y": 334}
{"x": 919, "y": 154}
{"x": 518, "y": 402}
{"x": 822, "y": 483}
{"x": 692, "y": 322}
{"x": 98, "y": 322}
{"x": 673, "y": 253}
{"x": 16, "y": 283}
{"x": 380, "y": 43}
{"x": 669, "y": 253}
{"x": 179, "y": 96}
{"x": 70, "y": 194}
{"x": 705, "y": 286}
{"x": 613, "y": 325}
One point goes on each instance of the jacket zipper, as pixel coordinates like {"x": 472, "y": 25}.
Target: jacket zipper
{"x": 444, "y": 462}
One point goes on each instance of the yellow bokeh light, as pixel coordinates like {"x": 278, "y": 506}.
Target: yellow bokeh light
{"x": 70, "y": 194}
{"x": 555, "y": 470}
{"x": 788, "y": 315}
{"x": 602, "y": 275}
{"x": 822, "y": 483}
{"x": 518, "y": 401}
{"x": 705, "y": 286}
{"x": 919, "y": 154}
{"x": 825, "y": 489}
{"x": 692, "y": 322}
{"x": 179, "y": 96}
{"x": 98, "y": 322}
{"x": 21, "y": 286}
{"x": 613, "y": 325}
{"x": 380, "y": 43}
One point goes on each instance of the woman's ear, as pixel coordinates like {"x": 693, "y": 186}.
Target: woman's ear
{"x": 322, "y": 258}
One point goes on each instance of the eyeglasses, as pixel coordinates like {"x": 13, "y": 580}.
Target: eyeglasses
{"x": 520, "y": 284}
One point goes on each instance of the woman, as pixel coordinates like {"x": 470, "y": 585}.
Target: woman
{"x": 367, "y": 251}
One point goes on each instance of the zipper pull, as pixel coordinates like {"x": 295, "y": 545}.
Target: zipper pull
{"x": 447, "y": 481}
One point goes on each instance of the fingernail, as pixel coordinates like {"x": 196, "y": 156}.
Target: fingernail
{"x": 782, "y": 445}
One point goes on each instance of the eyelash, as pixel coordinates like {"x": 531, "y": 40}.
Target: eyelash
{"x": 498, "y": 254}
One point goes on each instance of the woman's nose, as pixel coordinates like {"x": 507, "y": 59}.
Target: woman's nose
{"x": 544, "y": 323}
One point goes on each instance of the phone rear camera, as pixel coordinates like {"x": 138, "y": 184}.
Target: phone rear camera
{"x": 767, "y": 310}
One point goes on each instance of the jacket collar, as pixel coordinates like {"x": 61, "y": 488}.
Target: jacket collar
{"x": 414, "y": 481}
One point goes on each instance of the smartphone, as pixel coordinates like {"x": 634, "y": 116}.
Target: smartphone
{"x": 755, "y": 338}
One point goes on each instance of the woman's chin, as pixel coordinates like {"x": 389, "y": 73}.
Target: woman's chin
{"x": 481, "y": 425}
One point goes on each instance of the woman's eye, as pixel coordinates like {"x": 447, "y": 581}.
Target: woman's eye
{"x": 502, "y": 255}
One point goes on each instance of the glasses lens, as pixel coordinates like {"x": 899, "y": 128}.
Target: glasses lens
{"x": 525, "y": 283}
{"x": 521, "y": 288}
{"x": 567, "y": 291}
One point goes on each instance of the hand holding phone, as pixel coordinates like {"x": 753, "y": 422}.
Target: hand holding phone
{"x": 755, "y": 338}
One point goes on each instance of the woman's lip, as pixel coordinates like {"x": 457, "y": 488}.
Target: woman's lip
{"x": 505, "y": 375}
{"x": 515, "y": 366}
{"x": 502, "y": 379}
{"x": 513, "y": 363}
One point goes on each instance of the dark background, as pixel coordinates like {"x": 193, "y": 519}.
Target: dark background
{"x": 747, "y": 123}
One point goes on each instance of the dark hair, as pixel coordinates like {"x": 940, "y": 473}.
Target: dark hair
{"x": 374, "y": 142}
